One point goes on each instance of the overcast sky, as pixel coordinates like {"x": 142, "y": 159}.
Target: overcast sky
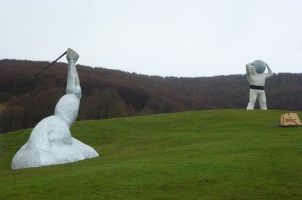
{"x": 187, "y": 38}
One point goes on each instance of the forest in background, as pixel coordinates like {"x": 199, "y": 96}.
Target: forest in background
{"x": 112, "y": 93}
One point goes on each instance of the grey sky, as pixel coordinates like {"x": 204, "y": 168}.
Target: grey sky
{"x": 157, "y": 37}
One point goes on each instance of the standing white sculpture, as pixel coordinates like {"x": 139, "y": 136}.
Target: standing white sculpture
{"x": 50, "y": 142}
{"x": 256, "y": 77}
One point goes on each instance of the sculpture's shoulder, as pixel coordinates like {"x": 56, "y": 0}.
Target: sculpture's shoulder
{"x": 48, "y": 129}
{"x": 48, "y": 122}
{"x": 268, "y": 75}
{"x": 67, "y": 108}
{"x": 67, "y": 100}
{"x": 47, "y": 125}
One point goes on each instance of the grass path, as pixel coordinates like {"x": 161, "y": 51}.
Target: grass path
{"x": 216, "y": 154}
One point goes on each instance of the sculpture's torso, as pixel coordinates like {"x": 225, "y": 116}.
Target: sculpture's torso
{"x": 257, "y": 79}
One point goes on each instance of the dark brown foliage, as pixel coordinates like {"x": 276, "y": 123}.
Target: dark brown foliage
{"x": 113, "y": 93}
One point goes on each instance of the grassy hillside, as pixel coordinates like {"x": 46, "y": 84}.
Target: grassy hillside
{"x": 217, "y": 154}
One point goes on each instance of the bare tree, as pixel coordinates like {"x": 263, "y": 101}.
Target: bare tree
{"x": 102, "y": 105}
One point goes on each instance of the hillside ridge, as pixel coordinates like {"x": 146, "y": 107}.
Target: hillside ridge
{"x": 114, "y": 93}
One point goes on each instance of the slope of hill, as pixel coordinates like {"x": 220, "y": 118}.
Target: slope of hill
{"x": 113, "y": 93}
{"x": 217, "y": 154}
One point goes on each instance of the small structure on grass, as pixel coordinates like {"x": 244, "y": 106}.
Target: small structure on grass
{"x": 290, "y": 119}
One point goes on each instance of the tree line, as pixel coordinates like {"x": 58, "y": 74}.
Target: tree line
{"x": 113, "y": 93}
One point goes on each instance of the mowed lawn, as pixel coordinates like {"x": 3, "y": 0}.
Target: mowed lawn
{"x": 215, "y": 154}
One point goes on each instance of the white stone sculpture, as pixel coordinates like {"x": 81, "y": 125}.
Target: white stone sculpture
{"x": 256, "y": 77}
{"x": 50, "y": 142}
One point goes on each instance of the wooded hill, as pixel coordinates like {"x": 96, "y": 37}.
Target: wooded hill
{"x": 113, "y": 93}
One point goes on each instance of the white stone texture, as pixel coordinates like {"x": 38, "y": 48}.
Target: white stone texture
{"x": 50, "y": 142}
{"x": 256, "y": 77}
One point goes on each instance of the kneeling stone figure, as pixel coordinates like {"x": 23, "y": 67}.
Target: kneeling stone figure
{"x": 50, "y": 142}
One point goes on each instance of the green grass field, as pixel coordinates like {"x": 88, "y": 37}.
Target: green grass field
{"x": 216, "y": 154}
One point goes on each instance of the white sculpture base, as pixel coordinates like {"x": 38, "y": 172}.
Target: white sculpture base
{"x": 51, "y": 143}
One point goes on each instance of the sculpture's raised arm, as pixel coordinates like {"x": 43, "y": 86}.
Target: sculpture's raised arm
{"x": 73, "y": 82}
{"x": 269, "y": 73}
{"x": 249, "y": 68}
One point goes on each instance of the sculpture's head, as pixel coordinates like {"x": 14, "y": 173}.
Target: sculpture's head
{"x": 260, "y": 66}
{"x": 253, "y": 70}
